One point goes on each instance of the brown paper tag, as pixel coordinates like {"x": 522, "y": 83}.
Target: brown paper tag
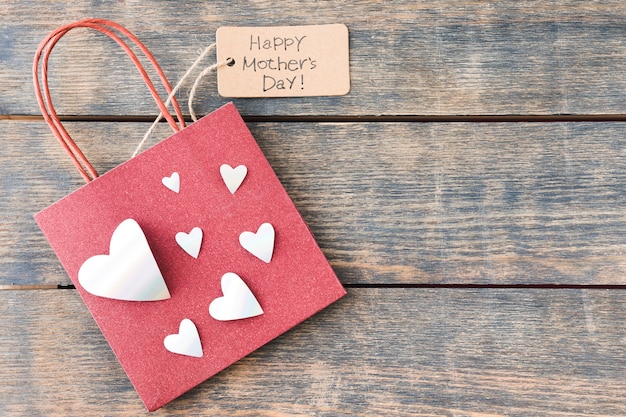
{"x": 283, "y": 61}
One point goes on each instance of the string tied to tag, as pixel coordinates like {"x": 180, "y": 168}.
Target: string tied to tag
{"x": 192, "y": 92}
{"x": 42, "y": 91}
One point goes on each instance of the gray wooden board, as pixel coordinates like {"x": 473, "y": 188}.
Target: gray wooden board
{"x": 407, "y": 57}
{"x": 390, "y": 203}
{"x": 400, "y": 352}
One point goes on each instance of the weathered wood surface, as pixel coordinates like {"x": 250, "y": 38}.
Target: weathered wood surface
{"x": 400, "y": 352}
{"x": 410, "y": 57}
{"x": 390, "y": 203}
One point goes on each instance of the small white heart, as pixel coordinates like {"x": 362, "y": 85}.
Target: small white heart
{"x": 261, "y": 243}
{"x": 190, "y": 242}
{"x": 186, "y": 341}
{"x": 172, "y": 182}
{"x": 238, "y": 301}
{"x": 129, "y": 272}
{"x": 233, "y": 177}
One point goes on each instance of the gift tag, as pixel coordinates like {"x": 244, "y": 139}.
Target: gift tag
{"x": 232, "y": 262}
{"x": 283, "y": 61}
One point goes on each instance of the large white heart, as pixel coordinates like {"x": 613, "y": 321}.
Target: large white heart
{"x": 238, "y": 301}
{"x": 233, "y": 177}
{"x": 261, "y": 243}
{"x": 186, "y": 341}
{"x": 129, "y": 272}
{"x": 190, "y": 242}
{"x": 172, "y": 182}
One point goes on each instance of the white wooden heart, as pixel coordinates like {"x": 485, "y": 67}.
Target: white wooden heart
{"x": 261, "y": 243}
{"x": 129, "y": 272}
{"x": 238, "y": 301}
{"x": 186, "y": 341}
{"x": 190, "y": 242}
{"x": 233, "y": 177}
{"x": 172, "y": 182}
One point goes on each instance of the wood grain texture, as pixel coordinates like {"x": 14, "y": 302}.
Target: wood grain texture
{"x": 400, "y": 352}
{"x": 389, "y": 203}
{"x": 408, "y": 57}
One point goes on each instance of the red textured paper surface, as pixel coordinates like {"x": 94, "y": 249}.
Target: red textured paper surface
{"x": 297, "y": 283}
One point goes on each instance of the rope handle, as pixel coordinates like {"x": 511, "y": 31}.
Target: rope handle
{"x": 44, "y": 100}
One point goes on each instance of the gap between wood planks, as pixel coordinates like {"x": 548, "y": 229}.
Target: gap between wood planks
{"x": 356, "y": 119}
{"x": 429, "y": 286}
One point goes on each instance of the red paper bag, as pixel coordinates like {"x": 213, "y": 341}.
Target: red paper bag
{"x": 295, "y": 284}
{"x": 190, "y": 256}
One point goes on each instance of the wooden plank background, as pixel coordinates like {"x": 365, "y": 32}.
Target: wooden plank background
{"x": 469, "y": 192}
{"x": 407, "y": 58}
{"x": 400, "y": 352}
{"x": 392, "y": 203}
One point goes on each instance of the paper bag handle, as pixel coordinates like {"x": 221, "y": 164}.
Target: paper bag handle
{"x": 48, "y": 111}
